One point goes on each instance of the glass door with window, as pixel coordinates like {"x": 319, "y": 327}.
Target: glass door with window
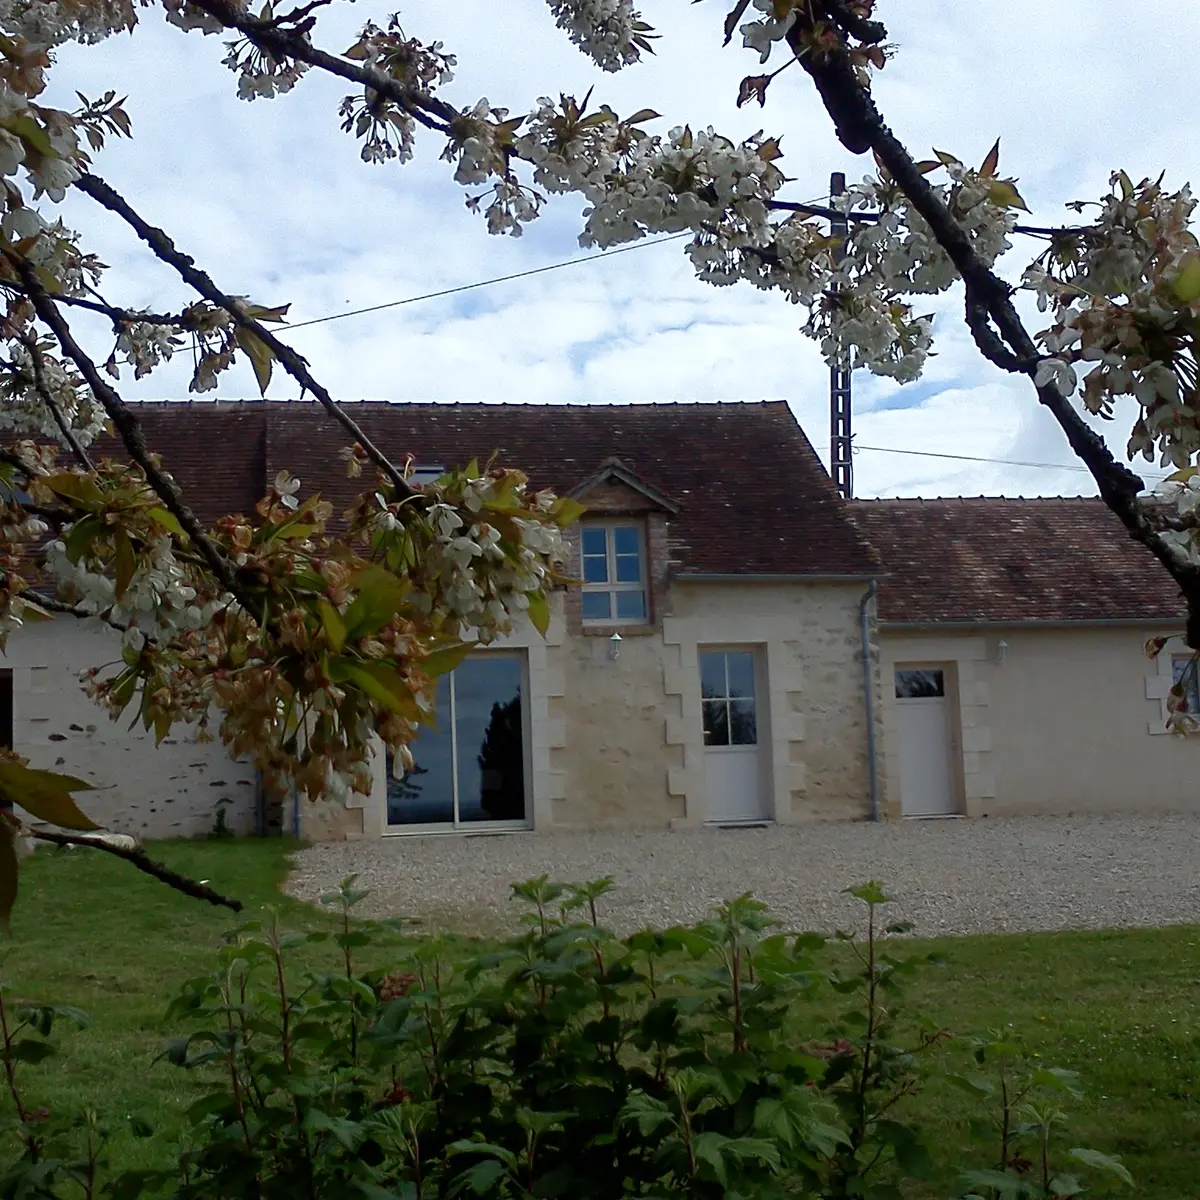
{"x": 468, "y": 769}
{"x": 729, "y": 690}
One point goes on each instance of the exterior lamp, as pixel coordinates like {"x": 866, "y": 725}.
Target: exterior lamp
{"x": 614, "y": 647}
{"x": 1001, "y": 650}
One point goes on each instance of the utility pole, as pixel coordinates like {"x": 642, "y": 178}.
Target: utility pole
{"x": 841, "y": 464}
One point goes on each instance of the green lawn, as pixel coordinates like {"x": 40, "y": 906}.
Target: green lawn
{"x": 1119, "y": 1007}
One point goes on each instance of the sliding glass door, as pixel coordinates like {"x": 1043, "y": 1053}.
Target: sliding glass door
{"x": 469, "y": 769}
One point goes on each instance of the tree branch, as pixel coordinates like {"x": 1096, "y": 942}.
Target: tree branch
{"x": 284, "y": 43}
{"x": 871, "y": 32}
{"x": 53, "y": 604}
{"x": 295, "y": 365}
{"x": 130, "y": 431}
{"x": 39, "y": 381}
{"x": 140, "y": 859}
{"x": 112, "y": 311}
{"x": 861, "y": 127}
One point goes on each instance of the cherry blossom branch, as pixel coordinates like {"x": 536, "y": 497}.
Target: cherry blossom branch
{"x": 292, "y": 43}
{"x": 130, "y": 431}
{"x": 112, "y": 311}
{"x": 53, "y": 604}
{"x": 295, "y": 365}
{"x": 861, "y": 127}
{"x": 47, "y": 398}
{"x": 142, "y": 861}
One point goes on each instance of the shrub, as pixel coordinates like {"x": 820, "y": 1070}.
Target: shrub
{"x": 693, "y": 1061}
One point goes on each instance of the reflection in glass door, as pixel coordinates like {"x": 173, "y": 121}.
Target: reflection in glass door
{"x": 469, "y": 769}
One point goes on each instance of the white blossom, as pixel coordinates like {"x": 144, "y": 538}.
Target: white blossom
{"x": 605, "y": 30}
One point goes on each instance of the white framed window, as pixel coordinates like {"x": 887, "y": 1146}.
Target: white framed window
{"x": 1181, "y": 671}
{"x": 614, "y": 573}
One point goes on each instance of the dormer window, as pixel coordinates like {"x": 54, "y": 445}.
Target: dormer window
{"x": 423, "y": 473}
{"x": 614, "y": 573}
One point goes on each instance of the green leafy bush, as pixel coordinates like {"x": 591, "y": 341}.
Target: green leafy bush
{"x": 693, "y": 1061}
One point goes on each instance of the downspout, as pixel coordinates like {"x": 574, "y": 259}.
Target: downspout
{"x": 864, "y": 618}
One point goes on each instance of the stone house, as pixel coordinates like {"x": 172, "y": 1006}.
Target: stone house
{"x": 745, "y": 646}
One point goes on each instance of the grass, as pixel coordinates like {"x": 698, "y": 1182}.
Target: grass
{"x": 1118, "y": 1006}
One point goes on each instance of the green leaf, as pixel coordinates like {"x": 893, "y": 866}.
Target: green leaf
{"x": 261, "y": 356}
{"x": 27, "y": 1050}
{"x": 1006, "y": 1187}
{"x": 167, "y": 520}
{"x": 383, "y": 684}
{"x": 335, "y": 627}
{"x": 467, "y": 1146}
{"x": 125, "y": 562}
{"x": 8, "y": 873}
{"x": 349, "y": 1133}
{"x": 539, "y": 611}
{"x": 870, "y": 892}
{"x": 567, "y": 511}
{"x": 380, "y": 595}
{"x": 31, "y": 133}
{"x": 1004, "y": 194}
{"x": 1102, "y": 1162}
{"x": 1187, "y": 283}
{"x": 443, "y": 660}
{"x": 83, "y": 533}
{"x": 46, "y": 795}
{"x": 707, "y": 1148}
{"x": 977, "y": 1087}
{"x": 480, "y": 1178}
{"x": 81, "y": 489}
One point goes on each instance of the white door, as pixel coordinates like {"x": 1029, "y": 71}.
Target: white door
{"x": 923, "y": 726}
{"x": 732, "y": 754}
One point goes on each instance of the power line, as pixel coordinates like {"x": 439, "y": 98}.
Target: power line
{"x": 1002, "y": 462}
{"x": 467, "y": 287}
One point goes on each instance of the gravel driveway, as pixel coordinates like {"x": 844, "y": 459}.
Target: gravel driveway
{"x": 949, "y": 876}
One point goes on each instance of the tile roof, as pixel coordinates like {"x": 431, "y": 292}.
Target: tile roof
{"x": 997, "y": 560}
{"x": 752, "y": 496}
{"x": 216, "y": 452}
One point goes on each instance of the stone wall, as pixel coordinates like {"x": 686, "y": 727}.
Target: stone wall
{"x": 809, "y": 636}
{"x": 618, "y": 742}
{"x": 170, "y": 791}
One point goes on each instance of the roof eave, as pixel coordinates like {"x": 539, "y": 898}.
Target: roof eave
{"x": 1043, "y": 623}
{"x": 769, "y": 577}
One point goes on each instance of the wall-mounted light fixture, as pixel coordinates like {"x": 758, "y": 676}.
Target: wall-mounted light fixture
{"x": 1001, "y": 650}
{"x": 614, "y": 647}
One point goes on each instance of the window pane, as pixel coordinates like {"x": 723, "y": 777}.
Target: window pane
{"x": 491, "y": 750}
{"x": 716, "y": 723}
{"x": 742, "y": 725}
{"x": 626, "y": 540}
{"x": 712, "y": 673}
{"x": 741, "y": 673}
{"x": 595, "y": 541}
{"x": 629, "y": 568}
{"x": 919, "y": 684}
{"x": 595, "y": 570}
{"x": 631, "y": 606}
{"x": 596, "y": 606}
{"x": 1180, "y": 668}
{"x": 425, "y": 795}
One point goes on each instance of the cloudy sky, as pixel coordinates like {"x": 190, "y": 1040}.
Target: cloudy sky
{"x": 273, "y": 200}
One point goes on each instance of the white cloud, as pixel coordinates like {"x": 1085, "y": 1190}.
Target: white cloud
{"x": 273, "y": 200}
